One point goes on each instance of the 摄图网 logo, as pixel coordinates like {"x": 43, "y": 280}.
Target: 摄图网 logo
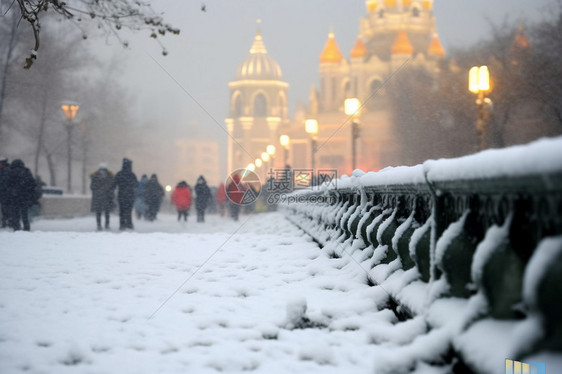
{"x": 518, "y": 367}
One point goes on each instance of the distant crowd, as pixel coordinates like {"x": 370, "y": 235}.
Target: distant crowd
{"x": 144, "y": 197}
{"x": 20, "y": 193}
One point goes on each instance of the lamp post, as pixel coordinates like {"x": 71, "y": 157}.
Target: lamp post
{"x": 351, "y": 108}
{"x": 311, "y": 127}
{"x": 70, "y": 109}
{"x": 479, "y": 84}
{"x": 284, "y": 140}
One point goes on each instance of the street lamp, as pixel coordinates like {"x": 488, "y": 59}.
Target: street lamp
{"x": 258, "y": 162}
{"x": 284, "y": 140}
{"x": 270, "y": 149}
{"x": 352, "y": 107}
{"x": 479, "y": 84}
{"x": 311, "y": 127}
{"x": 70, "y": 109}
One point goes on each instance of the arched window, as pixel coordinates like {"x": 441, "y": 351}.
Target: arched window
{"x": 375, "y": 91}
{"x": 260, "y": 106}
{"x": 375, "y": 88}
{"x": 415, "y": 12}
{"x": 237, "y": 110}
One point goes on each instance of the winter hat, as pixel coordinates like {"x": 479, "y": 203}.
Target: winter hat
{"x": 103, "y": 165}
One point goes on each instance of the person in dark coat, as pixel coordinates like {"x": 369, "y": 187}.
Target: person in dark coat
{"x": 4, "y": 170}
{"x": 153, "y": 195}
{"x": 202, "y": 195}
{"x": 102, "y": 194}
{"x": 125, "y": 182}
{"x": 21, "y": 189}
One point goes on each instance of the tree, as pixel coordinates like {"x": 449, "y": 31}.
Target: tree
{"x": 547, "y": 38}
{"x": 9, "y": 33}
{"x": 33, "y": 119}
{"x": 108, "y": 15}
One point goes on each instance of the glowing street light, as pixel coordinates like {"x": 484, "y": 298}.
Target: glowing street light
{"x": 352, "y": 107}
{"x": 479, "y": 84}
{"x": 284, "y": 140}
{"x": 265, "y": 156}
{"x": 270, "y": 149}
{"x": 251, "y": 167}
{"x": 70, "y": 109}
{"x": 258, "y": 162}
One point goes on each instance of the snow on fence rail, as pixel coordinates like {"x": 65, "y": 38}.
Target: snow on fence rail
{"x": 473, "y": 244}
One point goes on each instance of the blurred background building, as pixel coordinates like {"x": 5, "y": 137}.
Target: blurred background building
{"x": 394, "y": 34}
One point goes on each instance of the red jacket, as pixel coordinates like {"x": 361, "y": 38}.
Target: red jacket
{"x": 235, "y": 190}
{"x": 181, "y": 197}
{"x": 221, "y": 194}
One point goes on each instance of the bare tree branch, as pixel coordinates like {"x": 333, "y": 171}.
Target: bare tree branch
{"x": 110, "y": 15}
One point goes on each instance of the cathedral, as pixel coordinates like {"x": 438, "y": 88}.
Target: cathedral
{"x": 393, "y": 35}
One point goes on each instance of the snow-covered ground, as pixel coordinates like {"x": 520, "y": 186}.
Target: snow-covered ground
{"x": 221, "y": 296}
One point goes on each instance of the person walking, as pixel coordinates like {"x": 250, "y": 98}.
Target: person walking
{"x": 153, "y": 195}
{"x": 181, "y": 198}
{"x": 139, "y": 205}
{"x": 221, "y": 199}
{"x": 4, "y": 170}
{"x": 235, "y": 191}
{"x": 102, "y": 194}
{"x": 21, "y": 190}
{"x": 202, "y": 195}
{"x": 125, "y": 182}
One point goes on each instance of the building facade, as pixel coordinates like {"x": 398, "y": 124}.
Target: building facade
{"x": 394, "y": 35}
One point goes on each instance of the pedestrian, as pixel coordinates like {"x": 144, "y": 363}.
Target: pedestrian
{"x": 4, "y": 170}
{"x": 202, "y": 195}
{"x": 153, "y": 195}
{"x": 21, "y": 189}
{"x": 102, "y": 194}
{"x": 181, "y": 198}
{"x": 235, "y": 191}
{"x": 221, "y": 199}
{"x": 125, "y": 182}
{"x": 139, "y": 205}
{"x": 35, "y": 208}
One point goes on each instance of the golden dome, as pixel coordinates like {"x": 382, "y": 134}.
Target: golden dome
{"x": 435, "y": 48}
{"x": 402, "y": 45}
{"x": 406, "y": 2}
{"x": 259, "y": 65}
{"x": 359, "y": 49}
{"x": 331, "y": 52}
{"x": 390, "y": 3}
{"x": 427, "y": 4}
{"x": 371, "y": 5}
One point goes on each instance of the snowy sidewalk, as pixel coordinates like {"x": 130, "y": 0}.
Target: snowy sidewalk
{"x": 187, "y": 299}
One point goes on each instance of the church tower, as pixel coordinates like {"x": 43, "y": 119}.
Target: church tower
{"x": 394, "y": 35}
{"x": 258, "y": 106}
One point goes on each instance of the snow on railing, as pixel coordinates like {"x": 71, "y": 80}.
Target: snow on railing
{"x": 458, "y": 232}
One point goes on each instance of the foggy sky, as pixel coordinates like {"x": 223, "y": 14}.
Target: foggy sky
{"x": 204, "y": 57}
